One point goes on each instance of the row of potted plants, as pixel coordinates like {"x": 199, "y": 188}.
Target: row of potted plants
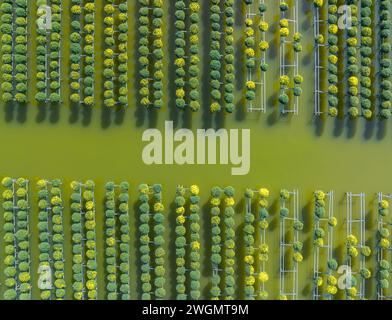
{"x": 88, "y": 52}
{"x": 76, "y": 52}
{"x": 229, "y": 244}
{"x": 14, "y": 50}
{"x": 333, "y": 57}
{"x": 361, "y": 251}
{"x": 215, "y": 55}
{"x": 158, "y": 53}
{"x": 90, "y": 233}
{"x": 117, "y": 247}
{"x": 51, "y": 236}
{"x": 78, "y": 246}
{"x": 123, "y": 218}
{"x": 115, "y": 53}
{"x": 366, "y": 51}
{"x": 256, "y": 275}
{"x": 16, "y": 238}
{"x": 109, "y": 54}
{"x": 83, "y": 240}
{"x": 353, "y": 72}
{"x": 181, "y": 243}
{"x": 249, "y": 240}
{"x": 216, "y": 243}
{"x": 187, "y": 85}
{"x": 194, "y": 60}
{"x": 229, "y": 56}
{"x": 123, "y": 57}
{"x": 295, "y": 40}
{"x": 180, "y": 53}
{"x": 144, "y": 53}
{"x": 144, "y": 240}
{"x": 194, "y": 219}
{"x": 157, "y": 241}
{"x": 48, "y": 54}
{"x": 17, "y": 233}
{"x": 250, "y": 50}
{"x": 385, "y": 62}
{"x": 383, "y": 246}
{"x": 111, "y": 252}
{"x": 182, "y": 266}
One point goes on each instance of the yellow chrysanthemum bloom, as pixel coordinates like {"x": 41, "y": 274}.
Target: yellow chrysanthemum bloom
{"x": 263, "y": 26}
{"x": 352, "y": 240}
{"x": 284, "y": 80}
{"x": 250, "y": 85}
{"x": 90, "y": 284}
{"x": 215, "y": 202}
{"x": 384, "y": 204}
{"x": 319, "y": 195}
{"x": 229, "y": 202}
{"x": 263, "y": 192}
{"x": 249, "y": 32}
{"x": 353, "y": 81}
{"x": 250, "y": 280}
{"x": 333, "y": 59}
{"x": 333, "y": 222}
{"x": 180, "y": 210}
{"x": 89, "y": 205}
{"x": 263, "y": 276}
{"x": 249, "y": 259}
{"x": 332, "y": 290}
{"x": 263, "y": 203}
{"x": 248, "y": 22}
{"x": 333, "y": 29}
{"x": 318, "y": 281}
{"x": 41, "y": 183}
{"x": 194, "y": 190}
{"x": 284, "y": 23}
{"x": 249, "y": 52}
{"x": 195, "y": 245}
{"x": 194, "y": 6}
{"x": 180, "y": 93}
{"x": 181, "y": 219}
{"x": 284, "y": 32}
{"x": 158, "y": 207}
{"x": 263, "y": 45}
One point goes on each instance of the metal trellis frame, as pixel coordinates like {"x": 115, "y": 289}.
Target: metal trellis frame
{"x": 284, "y": 65}
{"x": 317, "y": 62}
{"x": 357, "y": 218}
{"x": 262, "y": 105}
{"x": 328, "y": 247}
{"x": 283, "y": 271}
{"x": 382, "y": 254}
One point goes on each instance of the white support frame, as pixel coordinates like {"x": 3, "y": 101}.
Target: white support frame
{"x": 317, "y": 62}
{"x": 262, "y": 107}
{"x": 327, "y": 247}
{"x": 283, "y": 66}
{"x": 381, "y": 253}
{"x": 357, "y": 219}
{"x": 283, "y": 244}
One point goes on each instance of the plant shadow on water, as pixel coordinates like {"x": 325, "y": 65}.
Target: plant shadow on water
{"x": 109, "y": 115}
{"x": 381, "y": 129}
{"x": 206, "y": 269}
{"x": 11, "y": 108}
{"x": 352, "y": 125}
{"x": 54, "y": 113}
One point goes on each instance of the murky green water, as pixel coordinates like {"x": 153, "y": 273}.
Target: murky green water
{"x": 286, "y": 152}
